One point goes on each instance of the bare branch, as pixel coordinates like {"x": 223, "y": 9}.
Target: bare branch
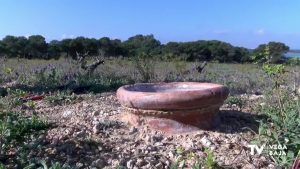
{"x": 90, "y": 68}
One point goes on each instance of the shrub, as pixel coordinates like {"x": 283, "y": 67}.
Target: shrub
{"x": 145, "y": 67}
{"x": 282, "y": 123}
{"x": 234, "y": 100}
{"x": 15, "y": 127}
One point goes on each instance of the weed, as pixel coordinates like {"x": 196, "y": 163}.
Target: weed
{"x": 209, "y": 161}
{"x": 231, "y": 100}
{"x": 15, "y": 127}
{"x": 180, "y": 150}
{"x": 282, "y": 124}
{"x": 175, "y": 165}
{"x": 120, "y": 167}
{"x": 60, "y": 98}
{"x": 145, "y": 66}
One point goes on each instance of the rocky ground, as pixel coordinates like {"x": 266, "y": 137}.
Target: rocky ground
{"x": 87, "y": 133}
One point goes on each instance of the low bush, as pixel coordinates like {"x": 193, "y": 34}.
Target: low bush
{"x": 15, "y": 127}
{"x": 281, "y": 127}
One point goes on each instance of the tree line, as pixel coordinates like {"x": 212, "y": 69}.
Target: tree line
{"x": 36, "y": 47}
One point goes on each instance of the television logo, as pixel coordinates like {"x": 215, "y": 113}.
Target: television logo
{"x": 275, "y": 149}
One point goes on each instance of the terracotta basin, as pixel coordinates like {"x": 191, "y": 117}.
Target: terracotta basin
{"x": 172, "y": 107}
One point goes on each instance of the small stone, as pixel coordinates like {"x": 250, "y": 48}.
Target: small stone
{"x": 147, "y": 139}
{"x": 158, "y": 144}
{"x": 271, "y": 166}
{"x": 159, "y": 166}
{"x": 181, "y": 164}
{"x": 167, "y": 163}
{"x": 157, "y": 138}
{"x": 212, "y": 148}
{"x": 205, "y": 141}
{"x": 55, "y": 141}
{"x": 171, "y": 155}
{"x": 97, "y": 128}
{"x": 79, "y": 165}
{"x": 262, "y": 104}
{"x": 129, "y": 164}
{"x": 96, "y": 113}
{"x": 132, "y": 130}
{"x": 140, "y": 162}
{"x": 99, "y": 163}
{"x": 228, "y": 146}
{"x": 67, "y": 113}
{"x": 101, "y": 112}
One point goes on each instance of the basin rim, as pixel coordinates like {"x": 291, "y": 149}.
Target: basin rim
{"x": 173, "y": 100}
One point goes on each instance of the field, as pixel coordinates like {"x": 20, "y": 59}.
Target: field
{"x": 77, "y": 125}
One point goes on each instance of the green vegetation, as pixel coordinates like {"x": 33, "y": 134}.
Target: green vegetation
{"x": 270, "y": 53}
{"x": 36, "y": 47}
{"x": 149, "y": 61}
{"x": 281, "y": 126}
{"x": 16, "y": 128}
{"x": 231, "y": 100}
{"x": 207, "y": 162}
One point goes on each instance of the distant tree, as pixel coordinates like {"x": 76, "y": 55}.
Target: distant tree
{"x": 36, "y": 47}
{"x": 221, "y": 51}
{"x": 2, "y": 49}
{"x": 111, "y": 47}
{"x": 80, "y": 45}
{"x": 9, "y": 43}
{"x": 91, "y": 45}
{"x": 76, "y": 46}
{"x": 242, "y": 55}
{"x": 205, "y": 51}
{"x": 65, "y": 46}
{"x": 276, "y": 52}
{"x": 21, "y": 44}
{"x": 54, "y": 49}
{"x": 139, "y": 44}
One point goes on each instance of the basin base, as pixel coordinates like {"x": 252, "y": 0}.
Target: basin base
{"x": 173, "y": 122}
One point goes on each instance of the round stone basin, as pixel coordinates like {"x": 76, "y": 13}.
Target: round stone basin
{"x": 172, "y": 107}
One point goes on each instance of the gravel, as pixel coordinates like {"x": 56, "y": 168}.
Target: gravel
{"x": 89, "y": 133}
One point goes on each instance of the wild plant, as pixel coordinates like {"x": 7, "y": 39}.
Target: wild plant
{"x": 145, "y": 65}
{"x": 14, "y": 126}
{"x": 282, "y": 123}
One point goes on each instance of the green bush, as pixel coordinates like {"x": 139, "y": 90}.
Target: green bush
{"x": 293, "y": 61}
{"x": 14, "y": 126}
{"x": 281, "y": 126}
{"x": 234, "y": 100}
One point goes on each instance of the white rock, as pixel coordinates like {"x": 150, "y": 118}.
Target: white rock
{"x": 262, "y": 104}
{"x": 205, "y": 141}
{"x": 140, "y": 162}
{"x": 129, "y": 164}
{"x": 171, "y": 155}
{"x": 67, "y": 113}
{"x": 167, "y": 163}
{"x": 96, "y": 128}
{"x": 132, "y": 130}
{"x": 159, "y": 166}
{"x": 79, "y": 165}
{"x": 99, "y": 163}
{"x": 212, "y": 148}
{"x": 181, "y": 164}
